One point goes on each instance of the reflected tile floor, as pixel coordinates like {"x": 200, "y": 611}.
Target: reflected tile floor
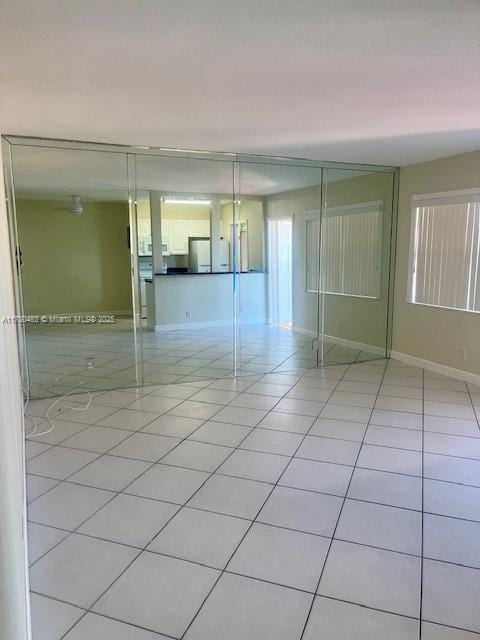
{"x": 58, "y": 354}
{"x": 334, "y": 503}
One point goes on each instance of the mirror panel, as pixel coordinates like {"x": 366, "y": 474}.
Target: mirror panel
{"x": 200, "y": 266}
{"x": 277, "y": 316}
{"x": 186, "y": 276}
{"x": 75, "y": 251}
{"x": 355, "y": 265}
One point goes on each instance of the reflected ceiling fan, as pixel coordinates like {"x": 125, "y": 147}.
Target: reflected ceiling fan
{"x": 73, "y": 206}
{"x": 76, "y": 206}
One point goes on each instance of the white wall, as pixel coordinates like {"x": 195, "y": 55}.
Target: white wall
{"x": 13, "y": 574}
{"x": 208, "y": 298}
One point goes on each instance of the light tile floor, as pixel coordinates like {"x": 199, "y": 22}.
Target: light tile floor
{"x": 58, "y": 356}
{"x": 333, "y": 503}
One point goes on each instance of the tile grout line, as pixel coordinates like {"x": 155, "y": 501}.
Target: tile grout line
{"x": 475, "y": 412}
{"x": 109, "y": 453}
{"x": 137, "y": 626}
{"x": 253, "y": 521}
{"x": 142, "y": 550}
{"x": 336, "y": 495}
{"x": 420, "y": 631}
{"x": 340, "y": 513}
{"x": 264, "y": 524}
{"x": 64, "y": 443}
{"x": 116, "y": 493}
{"x": 105, "y": 453}
{"x": 234, "y": 449}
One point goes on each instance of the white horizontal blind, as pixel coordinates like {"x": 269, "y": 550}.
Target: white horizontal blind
{"x": 351, "y": 251}
{"x": 445, "y": 251}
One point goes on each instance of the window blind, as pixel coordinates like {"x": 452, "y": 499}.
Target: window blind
{"x": 351, "y": 250}
{"x": 445, "y": 250}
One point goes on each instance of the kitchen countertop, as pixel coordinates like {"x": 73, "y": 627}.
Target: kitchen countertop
{"x": 204, "y": 273}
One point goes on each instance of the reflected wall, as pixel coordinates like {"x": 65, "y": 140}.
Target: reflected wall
{"x": 213, "y": 265}
{"x": 189, "y": 330}
{"x": 288, "y": 193}
{"x": 356, "y": 234}
{"x": 73, "y": 250}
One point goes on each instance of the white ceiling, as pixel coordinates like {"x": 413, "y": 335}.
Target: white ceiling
{"x": 52, "y": 174}
{"x": 380, "y": 81}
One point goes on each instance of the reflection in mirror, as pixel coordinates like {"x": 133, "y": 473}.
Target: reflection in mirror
{"x": 278, "y": 319}
{"x": 246, "y": 233}
{"x": 354, "y": 266}
{"x": 187, "y": 285}
{"x": 74, "y": 240}
{"x": 240, "y": 266}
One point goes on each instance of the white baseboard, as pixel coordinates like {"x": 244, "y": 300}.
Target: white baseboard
{"x": 353, "y": 344}
{"x": 436, "y": 367}
{"x": 305, "y": 332}
{"x": 115, "y": 312}
{"x": 186, "y": 326}
{"x": 343, "y": 342}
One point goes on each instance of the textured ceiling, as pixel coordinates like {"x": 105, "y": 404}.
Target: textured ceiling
{"x": 380, "y": 81}
{"x": 52, "y": 174}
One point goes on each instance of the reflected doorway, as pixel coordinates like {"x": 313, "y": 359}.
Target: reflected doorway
{"x": 279, "y": 234}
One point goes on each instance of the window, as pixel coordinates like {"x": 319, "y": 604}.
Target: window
{"x": 445, "y": 250}
{"x": 351, "y": 250}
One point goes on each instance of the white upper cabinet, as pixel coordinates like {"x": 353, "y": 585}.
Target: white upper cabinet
{"x": 175, "y": 234}
{"x": 199, "y": 228}
{"x": 165, "y": 238}
{"x": 178, "y": 237}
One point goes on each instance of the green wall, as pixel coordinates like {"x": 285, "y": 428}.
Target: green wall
{"x": 446, "y": 336}
{"x": 74, "y": 263}
{"x": 360, "y": 320}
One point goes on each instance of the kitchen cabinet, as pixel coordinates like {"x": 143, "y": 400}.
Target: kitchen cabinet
{"x": 199, "y": 228}
{"x": 165, "y": 238}
{"x": 175, "y": 234}
{"x": 178, "y": 237}
{"x": 144, "y": 237}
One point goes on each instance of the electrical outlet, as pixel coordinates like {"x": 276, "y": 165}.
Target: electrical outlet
{"x": 464, "y": 353}
{"x": 90, "y": 364}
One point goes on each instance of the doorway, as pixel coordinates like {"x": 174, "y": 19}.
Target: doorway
{"x": 279, "y": 236}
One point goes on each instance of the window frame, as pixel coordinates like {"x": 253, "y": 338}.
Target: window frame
{"x": 440, "y": 198}
{"x": 374, "y": 206}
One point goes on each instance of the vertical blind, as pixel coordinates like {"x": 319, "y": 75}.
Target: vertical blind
{"x": 351, "y": 250}
{"x": 445, "y": 250}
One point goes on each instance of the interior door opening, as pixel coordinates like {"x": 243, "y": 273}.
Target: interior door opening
{"x": 279, "y": 233}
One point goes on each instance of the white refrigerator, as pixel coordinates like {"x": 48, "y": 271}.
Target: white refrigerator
{"x": 200, "y": 256}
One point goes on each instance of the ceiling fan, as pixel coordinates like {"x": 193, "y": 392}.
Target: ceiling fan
{"x": 74, "y": 205}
